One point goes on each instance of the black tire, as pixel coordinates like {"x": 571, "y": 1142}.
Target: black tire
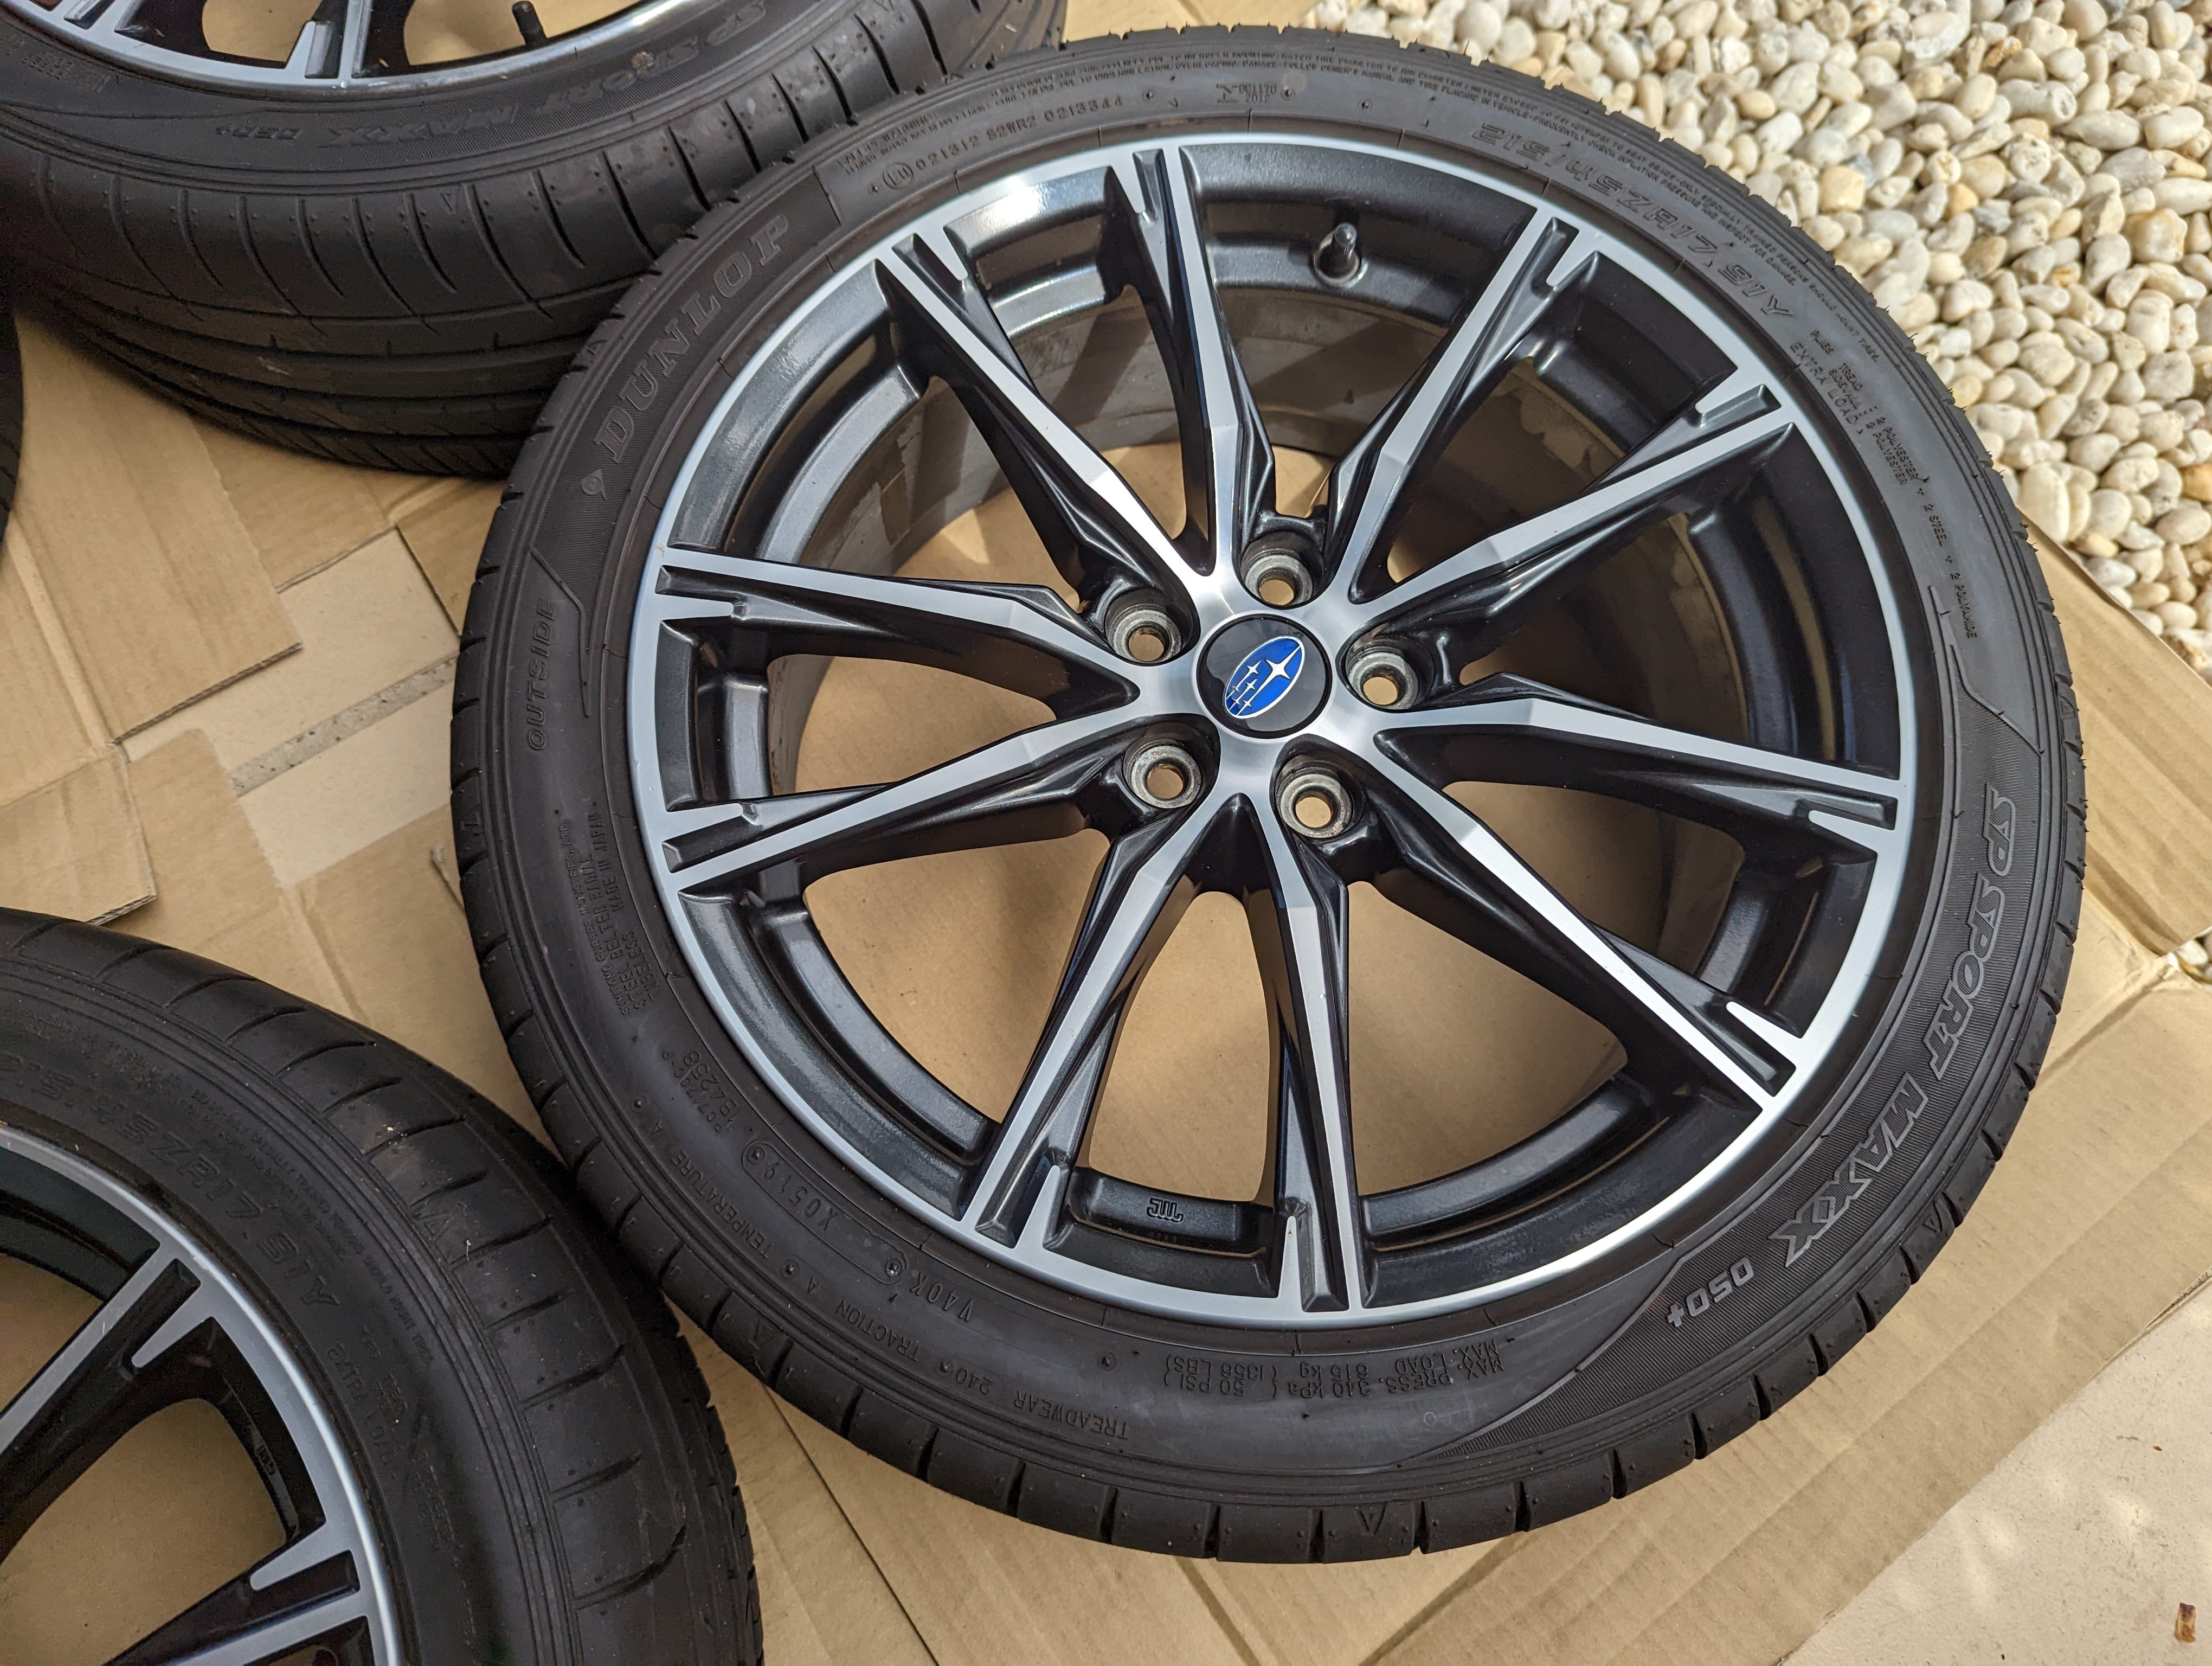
{"x": 11, "y": 414}
{"x": 1093, "y": 1417}
{"x": 535, "y": 1446}
{"x": 209, "y": 239}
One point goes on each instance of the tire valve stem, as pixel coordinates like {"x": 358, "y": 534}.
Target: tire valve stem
{"x": 1336, "y": 256}
{"x": 525, "y": 19}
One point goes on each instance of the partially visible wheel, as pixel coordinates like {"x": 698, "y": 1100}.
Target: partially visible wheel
{"x": 11, "y": 414}
{"x": 480, "y": 1437}
{"x": 1611, "y": 483}
{"x": 309, "y": 235}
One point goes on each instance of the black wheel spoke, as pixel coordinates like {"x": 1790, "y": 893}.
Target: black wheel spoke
{"x": 1140, "y": 892}
{"x": 253, "y": 1619}
{"x": 1491, "y": 588}
{"x": 1021, "y": 637}
{"x": 1509, "y": 729}
{"x": 1093, "y": 526}
{"x": 1159, "y": 247}
{"x": 92, "y": 1392}
{"x": 1461, "y": 876}
{"x": 1025, "y": 786}
{"x": 1300, "y": 934}
{"x": 1372, "y": 486}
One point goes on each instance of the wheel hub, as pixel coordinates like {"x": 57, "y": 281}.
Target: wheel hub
{"x": 1263, "y": 676}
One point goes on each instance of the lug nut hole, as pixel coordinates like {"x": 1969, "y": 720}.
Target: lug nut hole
{"x": 1139, "y": 628}
{"x": 1278, "y": 575}
{"x": 1163, "y": 774}
{"x": 1384, "y": 678}
{"x": 1315, "y": 803}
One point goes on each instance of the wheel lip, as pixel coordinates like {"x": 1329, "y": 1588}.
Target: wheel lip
{"x": 1877, "y": 923}
{"x": 276, "y": 1369}
{"x": 262, "y": 80}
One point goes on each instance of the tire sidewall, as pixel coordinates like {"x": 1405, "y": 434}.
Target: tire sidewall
{"x": 93, "y": 110}
{"x": 970, "y": 1345}
{"x": 250, "y": 1180}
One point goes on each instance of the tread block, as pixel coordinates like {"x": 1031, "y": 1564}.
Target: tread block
{"x": 764, "y": 115}
{"x": 1654, "y": 1454}
{"x": 387, "y": 1113}
{"x": 1927, "y": 1237}
{"x": 1364, "y": 1532}
{"x": 903, "y": 39}
{"x": 816, "y": 1388}
{"x": 2002, "y": 1118}
{"x": 1880, "y": 1292}
{"x": 89, "y": 953}
{"x": 1725, "y": 1416}
{"x": 457, "y": 235}
{"x": 1968, "y": 1180}
{"x": 714, "y": 148}
{"x": 1559, "y": 1493}
{"x": 611, "y": 1190}
{"x": 1473, "y": 1517}
{"x": 1786, "y": 1375}
{"x": 1266, "y": 1533}
{"x": 650, "y": 172}
{"x": 1066, "y": 1503}
{"x": 849, "y": 55}
{"x": 1839, "y": 1332}
{"x": 745, "y": 1334}
{"x": 893, "y": 1433}
{"x": 811, "y": 95}
{"x": 1171, "y": 1527}
{"x": 438, "y": 1161}
{"x": 973, "y": 1471}
{"x": 648, "y": 1239}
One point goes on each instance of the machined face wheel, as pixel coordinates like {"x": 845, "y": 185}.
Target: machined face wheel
{"x": 173, "y": 1326}
{"x": 1318, "y": 678}
{"x": 357, "y": 47}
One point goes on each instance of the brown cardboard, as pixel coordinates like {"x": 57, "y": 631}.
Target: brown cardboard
{"x": 400, "y": 944}
{"x": 214, "y": 892}
{"x": 2147, "y": 737}
{"x": 447, "y": 534}
{"x": 300, "y": 513}
{"x": 51, "y": 728}
{"x": 822, "y": 1598}
{"x": 73, "y": 846}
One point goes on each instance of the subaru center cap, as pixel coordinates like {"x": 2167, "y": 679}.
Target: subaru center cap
{"x": 1263, "y": 676}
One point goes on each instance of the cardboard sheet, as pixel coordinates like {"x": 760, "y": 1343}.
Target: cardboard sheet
{"x": 73, "y": 846}
{"x": 214, "y": 892}
{"x": 177, "y": 602}
{"x": 300, "y": 513}
{"x": 2147, "y": 739}
{"x": 400, "y": 942}
{"x": 446, "y": 533}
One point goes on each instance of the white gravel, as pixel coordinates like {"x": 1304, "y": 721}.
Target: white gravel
{"x": 2022, "y": 187}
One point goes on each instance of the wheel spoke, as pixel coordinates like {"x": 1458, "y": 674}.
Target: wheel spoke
{"x": 1508, "y": 728}
{"x": 1022, "y": 787}
{"x": 1371, "y": 489}
{"x": 250, "y": 1621}
{"x": 1093, "y": 526}
{"x": 89, "y": 1395}
{"x": 1300, "y": 932}
{"x": 1140, "y": 892}
{"x": 1017, "y": 637}
{"x": 1494, "y": 587}
{"x": 1461, "y": 876}
{"x": 1157, "y": 244}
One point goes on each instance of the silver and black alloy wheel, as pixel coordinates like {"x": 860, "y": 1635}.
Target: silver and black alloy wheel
{"x": 1313, "y": 738}
{"x": 1387, "y": 502}
{"x": 310, "y": 1359}
{"x": 171, "y": 1326}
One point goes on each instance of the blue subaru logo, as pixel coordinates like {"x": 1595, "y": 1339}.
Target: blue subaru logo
{"x": 1263, "y": 677}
